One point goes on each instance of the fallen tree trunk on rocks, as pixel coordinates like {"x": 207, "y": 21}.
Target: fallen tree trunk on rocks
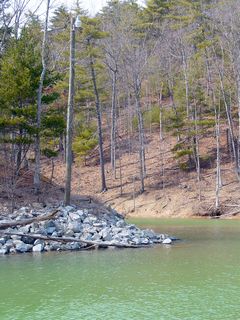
{"x": 24, "y": 222}
{"x": 71, "y": 239}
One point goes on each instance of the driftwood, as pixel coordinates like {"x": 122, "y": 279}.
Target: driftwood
{"x": 24, "y": 222}
{"x": 70, "y": 239}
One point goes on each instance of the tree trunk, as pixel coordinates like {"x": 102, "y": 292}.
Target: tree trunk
{"x": 69, "y": 160}
{"x": 160, "y": 115}
{"x": 196, "y": 150}
{"x": 141, "y": 138}
{"x": 37, "y": 172}
{"x": 218, "y": 169}
{"x": 113, "y": 128}
{"x": 229, "y": 114}
{"x": 230, "y": 125}
{"x": 99, "y": 120}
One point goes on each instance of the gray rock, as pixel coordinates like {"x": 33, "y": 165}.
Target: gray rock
{"x": 33, "y": 227}
{"x": 105, "y": 234}
{"x": 136, "y": 241}
{"x": 68, "y": 208}
{"x": 75, "y": 227}
{"x": 116, "y": 238}
{"x": 92, "y": 218}
{"x": 3, "y": 251}
{"x": 54, "y": 246}
{"x": 50, "y": 230}
{"x": 96, "y": 237}
{"x": 87, "y": 220}
{"x": 15, "y": 237}
{"x": 162, "y": 236}
{"x": 41, "y": 231}
{"x": 108, "y": 237}
{"x": 87, "y": 236}
{"x": 50, "y": 223}
{"x": 3, "y": 240}
{"x": 39, "y": 241}
{"x": 145, "y": 241}
{"x": 116, "y": 230}
{"x": 82, "y": 213}
{"x": 101, "y": 224}
{"x": 149, "y": 234}
{"x": 74, "y": 216}
{"x": 23, "y": 210}
{"x": 12, "y": 250}
{"x": 167, "y": 241}
{"x": 60, "y": 233}
{"x": 132, "y": 227}
{"x": 16, "y": 242}
{"x": 47, "y": 248}
{"x": 72, "y": 246}
{"x": 125, "y": 234}
{"x": 69, "y": 233}
{"x": 120, "y": 224}
{"x": 38, "y": 248}
{"x": 27, "y": 240}
{"x": 23, "y": 247}
{"x": 24, "y": 229}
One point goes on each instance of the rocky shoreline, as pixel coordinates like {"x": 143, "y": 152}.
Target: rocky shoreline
{"x": 72, "y": 228}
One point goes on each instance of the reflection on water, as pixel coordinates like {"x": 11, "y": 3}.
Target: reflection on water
{"x": 198, "y": 278}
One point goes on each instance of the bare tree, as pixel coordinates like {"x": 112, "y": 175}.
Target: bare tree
{"x": 37, "y": 172}
{"x": 99, "y": 117}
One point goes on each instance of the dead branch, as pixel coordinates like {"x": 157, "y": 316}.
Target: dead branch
{"x": 24, "y": 222}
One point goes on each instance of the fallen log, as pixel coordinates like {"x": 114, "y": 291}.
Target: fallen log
{"x": 71, "y": 239}
{"x": 24, "y": 222}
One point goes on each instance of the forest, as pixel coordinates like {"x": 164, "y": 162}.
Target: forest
{"x": 138, "y": 106}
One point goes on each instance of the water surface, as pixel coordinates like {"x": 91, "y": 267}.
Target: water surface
{"x": 198, "y": 278}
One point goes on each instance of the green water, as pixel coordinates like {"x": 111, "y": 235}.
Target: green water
{"x": 198, "y": 278}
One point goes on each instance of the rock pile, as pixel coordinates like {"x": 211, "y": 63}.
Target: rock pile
{"x": 107, "y": 228}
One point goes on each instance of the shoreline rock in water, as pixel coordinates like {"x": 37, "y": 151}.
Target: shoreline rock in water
{"x": 104, "y": 229}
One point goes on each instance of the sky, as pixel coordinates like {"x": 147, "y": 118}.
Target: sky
{"x": 93, "y": 6}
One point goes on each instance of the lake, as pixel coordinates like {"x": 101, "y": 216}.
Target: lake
{"x": 197, "y": 278}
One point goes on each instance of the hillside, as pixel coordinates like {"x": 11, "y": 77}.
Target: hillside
{"x": 170, "y": 192}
